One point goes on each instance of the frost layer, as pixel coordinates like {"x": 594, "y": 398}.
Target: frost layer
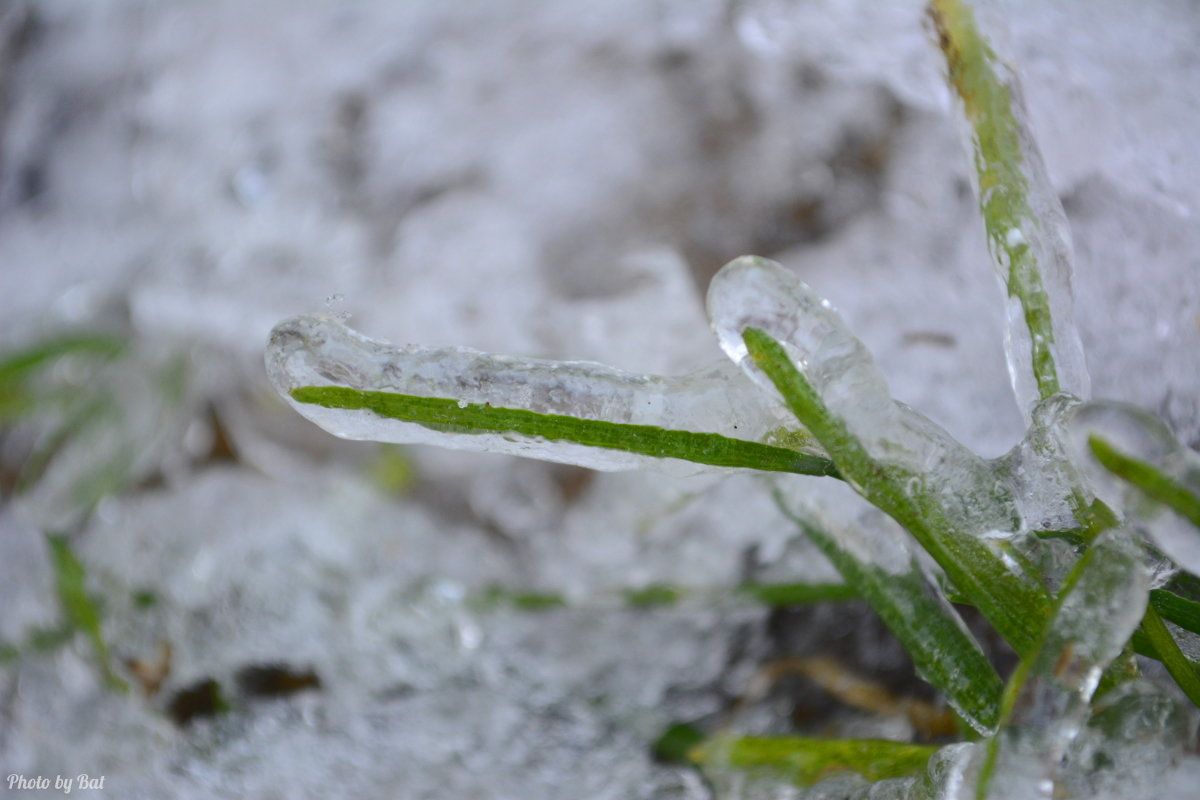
{"x": 316, "y": 350}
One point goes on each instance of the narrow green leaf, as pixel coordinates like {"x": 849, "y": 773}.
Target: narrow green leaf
{"x": 70, "y": 582}
{"x": 1182, "y": 670}
{"x": 1016, "y": 606}
{"x": 1183, "y": 612}
{"x": 448, "y": 415}
{"x": 1155, "y": 483}
{"x": 805, "y": 761}
{"x": 917, "y": 614}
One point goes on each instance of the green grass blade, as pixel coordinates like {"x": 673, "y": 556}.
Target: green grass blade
{"x": 442, "y": 414}
{"x": 1025, "y": 224}
{"x": 1182, "y": 670}
{"x": 805, "y": 761}
{"x": 1015, "y": 605}
{"x": 70, "y": 582}
{"x": 1155, "y": 483}
{"x": 917, "y": 614}
{"x": 1179, "y": 610}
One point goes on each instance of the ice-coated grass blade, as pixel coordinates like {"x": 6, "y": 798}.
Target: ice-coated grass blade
{"x": 804, "y": 761}
{"x": 1046, "y": 701}
{"x": 917, "y": 614}
{"x": 447, "y": 415}
{"x": 1017, "y": 607}
{"x": 70, "y": 582}
{"x": 1025, "y": 224}
{"x": 1179, "y": 610}
{"x": 575, "y": 412}
{"x": 1155, "y": 483}
{"x": 1183, "y": 671}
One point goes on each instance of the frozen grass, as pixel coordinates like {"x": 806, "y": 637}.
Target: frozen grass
{"x": 1071, "y": 615}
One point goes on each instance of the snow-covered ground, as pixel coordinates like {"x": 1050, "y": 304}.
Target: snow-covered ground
{"x": 550, "y": 179}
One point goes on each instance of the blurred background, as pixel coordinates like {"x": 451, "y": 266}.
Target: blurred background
{"x": 295, "y": 616}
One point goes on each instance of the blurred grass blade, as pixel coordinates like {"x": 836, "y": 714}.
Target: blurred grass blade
{"x": 1046, "y": 701}
{"x": 22, "y": 363}
{"x": 1026, "y": 226}
{"x": 1181, "y": 611}
{"x": 805, "y": 761}
{"x": 70, "y": 582}
{"x": 17, "y": 369}
{"x": 917, "y": 614}
{"x": 670, "y": 595}
{"x": 795, "y": 594}
{"x": 1014, "y": 604}
{"x": 443, "y": 414}
{"x": 1183, "y": 671}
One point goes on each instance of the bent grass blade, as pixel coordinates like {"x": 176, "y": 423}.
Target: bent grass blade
{"x": 1016, "y": 606}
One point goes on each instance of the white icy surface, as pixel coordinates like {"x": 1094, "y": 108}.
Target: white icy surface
{"x": 545, "y": 181}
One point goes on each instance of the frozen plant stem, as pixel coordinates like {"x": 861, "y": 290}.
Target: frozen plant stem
{"x": 1015, "y": 605}
{"x": 1025, "y": 223}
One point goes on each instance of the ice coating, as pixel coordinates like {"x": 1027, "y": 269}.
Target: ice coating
{"x": 752, "y": 292}
{"x": 317, "y": 350}
{"x": 1026, "y": 226}
{"x": 1099, "y": 610}
{"x": 1139, "y": 434}
{"x": 1043, "y": 239}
